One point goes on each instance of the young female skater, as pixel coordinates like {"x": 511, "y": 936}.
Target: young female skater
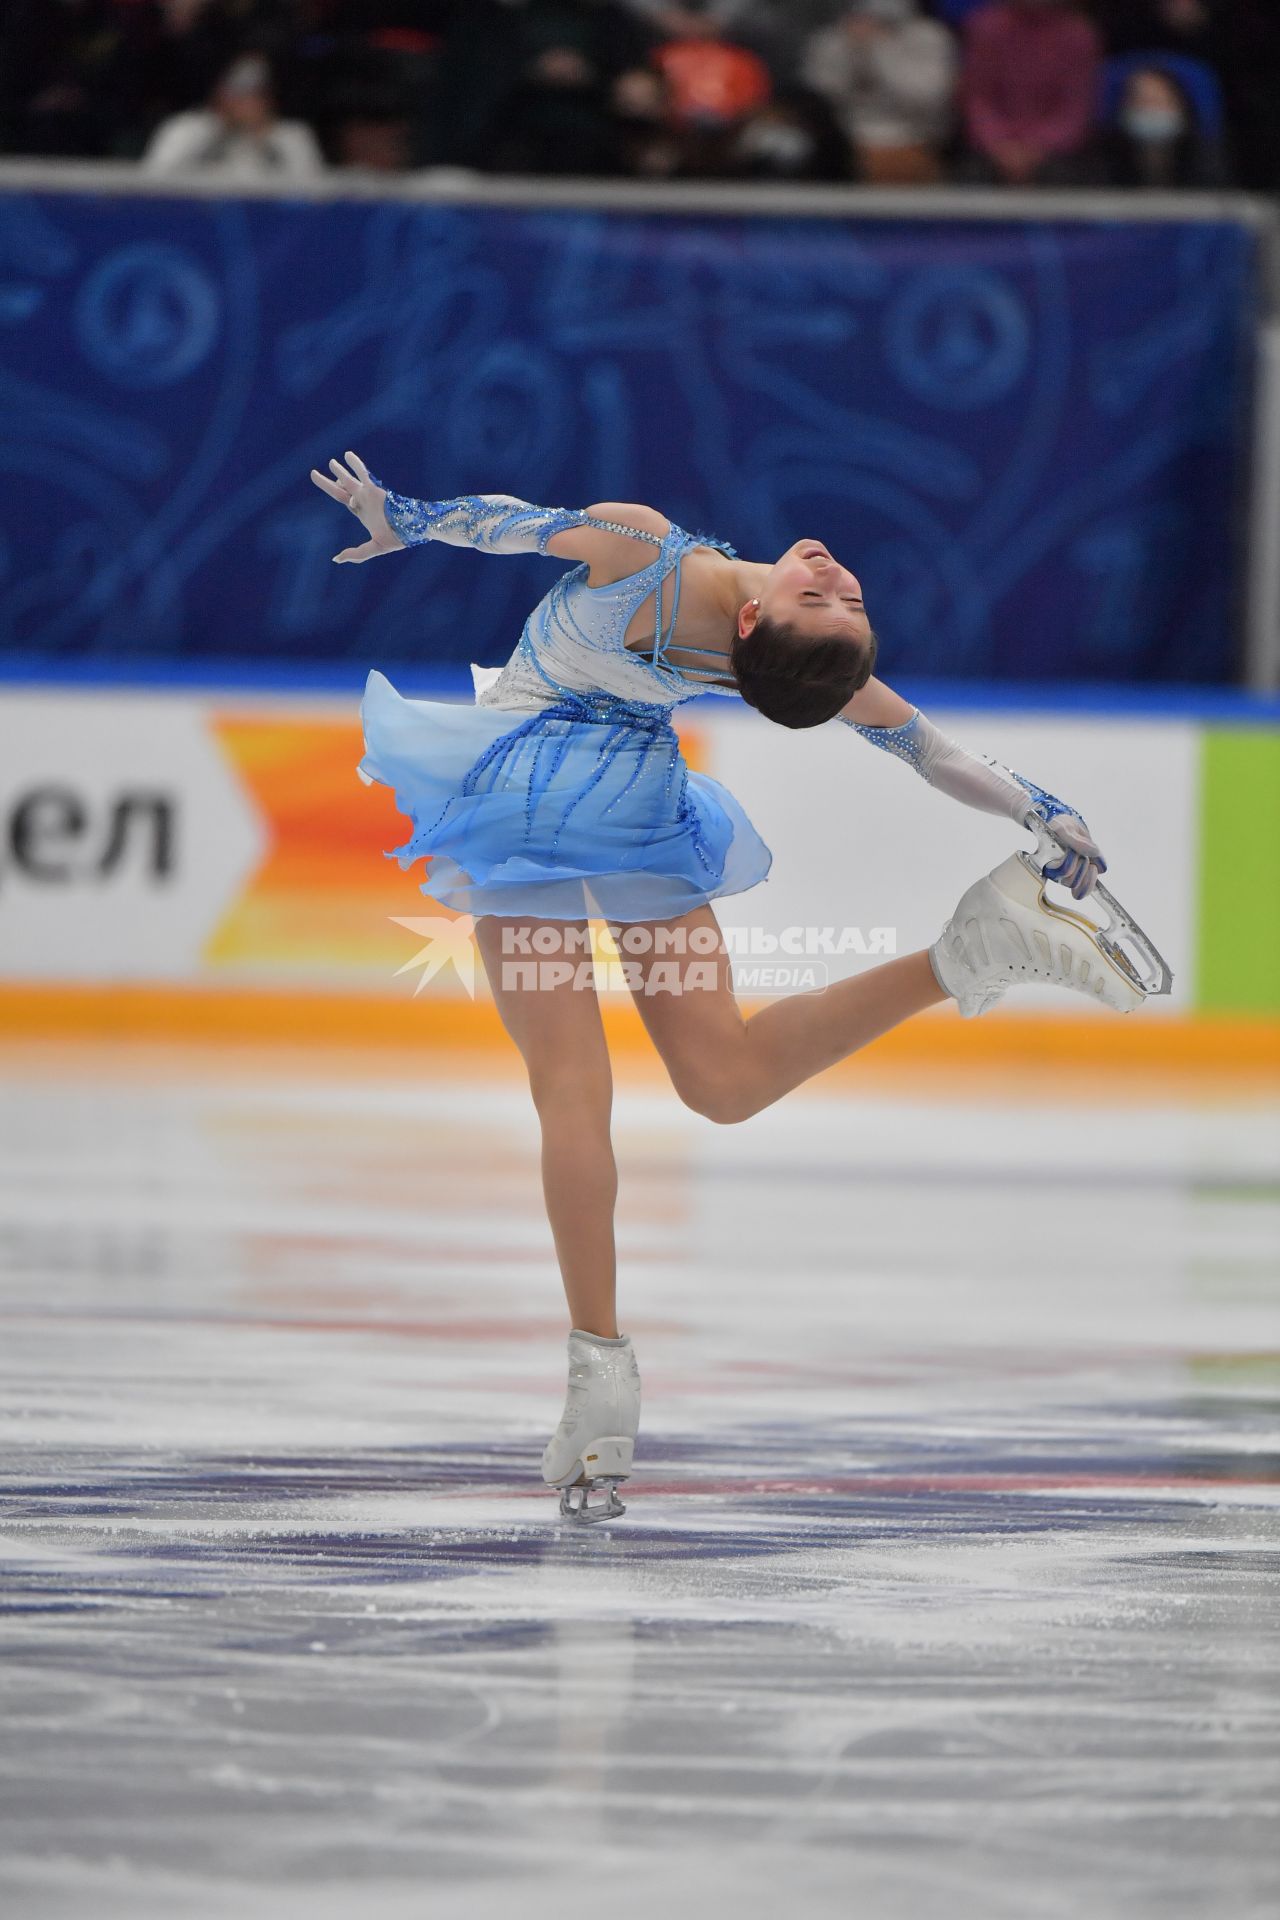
{"x": 562, "y": 795}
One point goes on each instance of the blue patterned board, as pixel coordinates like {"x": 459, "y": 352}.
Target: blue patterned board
{"x": 1028, "y": 439}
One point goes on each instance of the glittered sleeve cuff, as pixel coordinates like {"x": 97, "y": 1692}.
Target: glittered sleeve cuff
{"x": 489, "y": 522}
{"x": 972, "y": 778}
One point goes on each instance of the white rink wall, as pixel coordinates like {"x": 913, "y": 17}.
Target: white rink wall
{"x": 223, "y": 838}
{"x": 858, "y": 837}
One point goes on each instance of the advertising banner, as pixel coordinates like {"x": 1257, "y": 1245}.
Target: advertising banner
{"x": 224, "y": 840}
{"x": 1027, "y": 438}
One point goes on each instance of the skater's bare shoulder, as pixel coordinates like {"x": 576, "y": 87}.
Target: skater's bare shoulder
{"x": 612, "y": 552}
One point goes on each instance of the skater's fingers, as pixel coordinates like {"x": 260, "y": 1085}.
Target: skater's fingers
{"x": 1080, "y": 879}
{"x": 357, "y": 466}
{"x": 1082, "y": 860}
{"x": 1087, "y": 882}
{"x": 330, "y": 487}
{"x": 1064, "y": 872}
{"x": 347, "y": 481}
{"x": 1070, "y": 831}
{"x": 357, "y": 555}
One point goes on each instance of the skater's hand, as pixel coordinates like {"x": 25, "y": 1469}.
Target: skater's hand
{"x": 1081, "y": 860}
{"x": 353, "y": 487}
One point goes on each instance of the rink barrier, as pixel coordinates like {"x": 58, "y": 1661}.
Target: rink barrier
{"x": 427, "y": 1029}
{"x": 204, "y": 862}
{"x": 454, "y": 186}
{"x": 272, "y": 680}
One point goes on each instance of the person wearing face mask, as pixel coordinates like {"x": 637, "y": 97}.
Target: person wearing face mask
{"x": 1029, "y": 86}
{"x": 890, "y": 75}
{"x": 1156, "y": 139}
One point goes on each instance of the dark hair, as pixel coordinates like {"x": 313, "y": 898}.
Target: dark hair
{"x": 797, "y": 680}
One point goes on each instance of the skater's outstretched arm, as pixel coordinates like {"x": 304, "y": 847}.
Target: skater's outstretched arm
{"x": 611, "y": 537}
{"x": 884, "y": 718}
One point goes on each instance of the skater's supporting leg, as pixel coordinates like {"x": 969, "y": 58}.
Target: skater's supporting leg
{"x": 559, "y": 1032}
{"x": 729, "y": 1067}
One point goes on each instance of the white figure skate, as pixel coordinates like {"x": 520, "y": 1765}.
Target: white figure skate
{"x": 593, "y": 1445}
{"x": 1006, "y": 933}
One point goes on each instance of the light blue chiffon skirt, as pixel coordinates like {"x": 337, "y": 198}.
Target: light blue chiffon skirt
{"x": 583, "y": 810}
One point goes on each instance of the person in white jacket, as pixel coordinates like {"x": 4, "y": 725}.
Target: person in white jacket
{"x": 238, "y": 133}
{"x": 891, "y": 76}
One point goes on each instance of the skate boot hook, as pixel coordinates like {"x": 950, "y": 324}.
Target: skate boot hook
{"x": 591, "y": 1450}
{"x": 1121, "y": 941}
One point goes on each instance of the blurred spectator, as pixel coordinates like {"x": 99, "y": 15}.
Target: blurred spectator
{"x": 193, "y": 42}
{"x": 776, "y": 29}
{"x": 490, "y": 75}
{"x": 1029, "y": 86}
{"x": 373, "y": 144}
{"x": 370, "y": 134}
{"x": 1248, "y": 54}
{"x": 1172, "y": 26}
{"x": 714, "y": 88}
{"x": 673, "y": 21}
{"x": 1156, "y": 139}
{"x": 71, "y": 75}
{"x": 772, "y": 89}
{"x": 646, "y": 144}
{"x": 712, "y": 82}
{"x": 558, "y": 120}
{"x": 368, "y": 79}
{"x": 891, "y": 76}
{"x": 794, "y": 136}
{"x": 238, "y": 133}
{"x": 601, "y": 30}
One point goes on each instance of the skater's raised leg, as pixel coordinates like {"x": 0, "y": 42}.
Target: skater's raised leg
{"x": 729, "y": 1066}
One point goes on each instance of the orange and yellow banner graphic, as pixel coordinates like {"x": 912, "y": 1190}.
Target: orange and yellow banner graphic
{"x": 325, "y": 900}
{"x": 323, "y": 897}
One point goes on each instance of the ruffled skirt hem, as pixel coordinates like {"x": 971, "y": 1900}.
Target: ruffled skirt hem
{"x": 555, "y": 817}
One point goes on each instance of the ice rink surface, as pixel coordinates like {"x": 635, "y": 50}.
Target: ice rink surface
{"x": 948, "y": 1585}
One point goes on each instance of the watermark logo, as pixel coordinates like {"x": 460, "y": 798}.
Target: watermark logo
{"x": 449, "y": 944}
{"x": 645, "y": 958}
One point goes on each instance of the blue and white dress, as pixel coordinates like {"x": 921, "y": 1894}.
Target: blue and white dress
{"x": 562, "y": 794}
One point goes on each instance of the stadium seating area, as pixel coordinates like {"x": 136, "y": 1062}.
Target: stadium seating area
{"x": 1141, "y": 93}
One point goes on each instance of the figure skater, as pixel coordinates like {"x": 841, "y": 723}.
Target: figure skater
{"x": 561, "y": 795}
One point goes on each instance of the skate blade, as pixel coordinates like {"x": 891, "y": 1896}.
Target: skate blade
{"x": 575, "y": 1502}
{"x": 1105, "y": 941}
{"x": 1145, "y": 966}
{"x": 1132, "y": 952}
{"x": 603, "y": 1464}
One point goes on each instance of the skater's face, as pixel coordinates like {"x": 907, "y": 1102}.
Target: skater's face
{"x": 809, "y": 589}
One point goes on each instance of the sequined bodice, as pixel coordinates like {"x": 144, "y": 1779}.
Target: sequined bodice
{"x": 574, "y": 641}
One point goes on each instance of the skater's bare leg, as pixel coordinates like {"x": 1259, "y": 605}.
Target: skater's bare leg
{"x": 559, "y": 1032}
{"x": 729, "y": 1067}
